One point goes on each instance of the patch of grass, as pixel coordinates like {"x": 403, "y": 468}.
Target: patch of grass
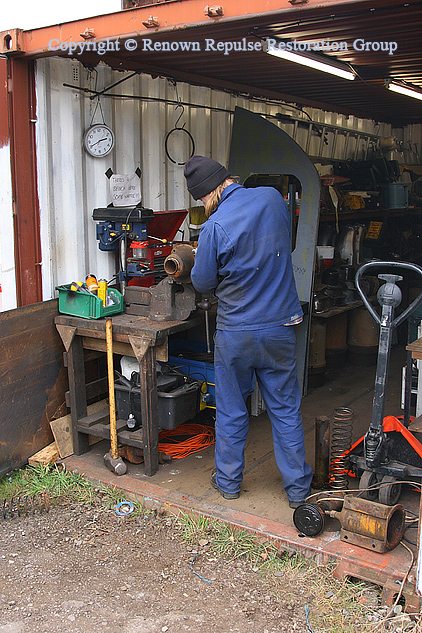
{"x": 332, "y": 605}
{"x": 58, "y": 483}
{"x": 234, "y": 543}
{"x": 62, "y": 486}
{"x": 193, "y": 527}
{"x": 111, "y": 496}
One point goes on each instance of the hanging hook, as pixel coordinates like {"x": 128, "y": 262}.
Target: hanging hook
{"x": 179, "y": 105}
{"x": 177, "y": 128}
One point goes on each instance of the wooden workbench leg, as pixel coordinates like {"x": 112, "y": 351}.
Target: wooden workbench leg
{"x": 149, "y": 410}
{"x": 77, "y": 392}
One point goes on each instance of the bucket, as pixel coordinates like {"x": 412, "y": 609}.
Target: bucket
{"x": 396, "y": 195}
{"x": 363, "y": 338}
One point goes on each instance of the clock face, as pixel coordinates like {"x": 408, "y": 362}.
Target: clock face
{"x": 99, "y": 140}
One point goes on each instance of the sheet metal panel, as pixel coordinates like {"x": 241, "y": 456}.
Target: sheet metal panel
{"x": 7, "y": 245}
{"x": 71, "y": 183}
{"x": 33, "y": 383}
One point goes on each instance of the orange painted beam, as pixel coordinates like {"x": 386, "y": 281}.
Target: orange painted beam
{"x": 173, "y": 15}
{"x": 22, "y": 116}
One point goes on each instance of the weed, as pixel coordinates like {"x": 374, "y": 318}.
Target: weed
{"x": 334, "y": 606}
{"x": 62, "y": 486}
{"x": 193, "y": 527}
{"x": 111, "y": 496}
{"x": 58, "y": 483}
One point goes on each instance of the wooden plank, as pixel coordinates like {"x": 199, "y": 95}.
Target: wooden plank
{"x": 77, "y": 393}
{"x": 33, "y": 381}
{"x": 415, "y": 348}
{"x": 125, "y": 349}
{"x": 98, "y": 417}
{"x": 149, "y": 410}
{"x": 62, "y": 429}
{"x": 124, "y": 436}
{"x": 97, "y": 388}
{"x": 45, "y": 456}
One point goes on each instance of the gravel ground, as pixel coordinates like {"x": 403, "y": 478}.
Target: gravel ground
{"x": 84, "y": 569}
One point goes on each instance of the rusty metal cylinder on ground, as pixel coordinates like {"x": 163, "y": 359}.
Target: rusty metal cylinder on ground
{"x": 341, "y": 442}
{"x": 180, "y": 262}
{"x": 374, "y": 526}
{"x": 317, "y": 363}
{"x": 336, "y": 341}
{"x": 363, "y": 338}
{"x": 322, "y": 452}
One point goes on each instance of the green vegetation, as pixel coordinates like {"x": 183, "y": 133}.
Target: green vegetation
{"x": 61, "y": 486}
{"x": 54, "y": 480}
{"x": 334, "y": 605}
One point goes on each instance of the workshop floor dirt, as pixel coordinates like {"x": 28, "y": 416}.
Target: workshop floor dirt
{"x": 262, "y": 505}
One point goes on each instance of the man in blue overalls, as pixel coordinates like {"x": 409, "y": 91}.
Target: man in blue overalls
{"x": 244, "y": 257}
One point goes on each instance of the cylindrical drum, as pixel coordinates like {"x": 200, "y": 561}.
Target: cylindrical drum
{"x": 336, "y": 340}
{"x": 382, "y": 525}
{"x": 363, "y": 338}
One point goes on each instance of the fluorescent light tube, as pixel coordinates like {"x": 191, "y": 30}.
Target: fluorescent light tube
{"x": 312, "y": 61}
{"x": 403, "y": 90}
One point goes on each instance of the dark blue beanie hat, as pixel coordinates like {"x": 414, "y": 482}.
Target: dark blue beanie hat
{"x": 203, "y": 175}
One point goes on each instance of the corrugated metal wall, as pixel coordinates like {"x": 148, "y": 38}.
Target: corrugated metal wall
{"x": 71, "y": 183}
{"x": 7, "y": 242}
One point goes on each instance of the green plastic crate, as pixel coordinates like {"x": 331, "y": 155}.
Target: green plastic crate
{"x": 88, "y": 306}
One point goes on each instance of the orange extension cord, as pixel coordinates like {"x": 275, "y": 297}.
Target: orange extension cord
{"x": 200, "y": 437}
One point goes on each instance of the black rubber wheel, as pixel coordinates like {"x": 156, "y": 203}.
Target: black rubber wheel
{"x": 309, "y": 519}
{"x": 367, "y": 480}
{"x": 389, "y": 495}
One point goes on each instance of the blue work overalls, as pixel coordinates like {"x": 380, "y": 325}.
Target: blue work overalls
{"x": 243, "y": 256}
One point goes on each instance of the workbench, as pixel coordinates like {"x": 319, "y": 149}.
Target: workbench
{"x": 136, "y": 336}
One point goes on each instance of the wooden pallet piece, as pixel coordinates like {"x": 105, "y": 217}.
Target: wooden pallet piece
{"x": 62, "y": 429}
{"x": 45, "y": 456}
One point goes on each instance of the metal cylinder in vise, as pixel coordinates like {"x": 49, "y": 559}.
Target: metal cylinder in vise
{"x": 180, "y": 262}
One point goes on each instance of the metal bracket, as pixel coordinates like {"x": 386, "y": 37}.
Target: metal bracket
{"x": 11, "y": 41}
{"x": 214, "y": 12}
{"x": 88, "y": 34}
{"x": 140, "y": 346}
{"x": 151, "y": 23}
{"x": 67, "y": 334}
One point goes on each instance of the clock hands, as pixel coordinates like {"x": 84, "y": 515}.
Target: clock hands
{"x": 96, "y": 142}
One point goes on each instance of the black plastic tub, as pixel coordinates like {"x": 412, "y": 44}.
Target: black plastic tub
{"x": 175, "y": 407}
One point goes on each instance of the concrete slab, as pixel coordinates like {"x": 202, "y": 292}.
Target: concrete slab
{"x": 262, "y": 506}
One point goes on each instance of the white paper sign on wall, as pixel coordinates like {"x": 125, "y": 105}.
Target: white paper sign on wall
{"x": 125, "y": 190}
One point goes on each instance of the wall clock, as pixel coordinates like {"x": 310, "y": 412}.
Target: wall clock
{"x": 98, "y": 140}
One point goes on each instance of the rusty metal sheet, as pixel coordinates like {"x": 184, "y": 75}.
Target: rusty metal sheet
{"x": 33, "y": 381}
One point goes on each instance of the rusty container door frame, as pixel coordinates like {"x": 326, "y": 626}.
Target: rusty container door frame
{"x": 26, "y": 211}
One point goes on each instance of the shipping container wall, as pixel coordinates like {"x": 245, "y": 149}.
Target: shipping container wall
{"x": 7, "y": 252}
{"x": 71, "y": 183}
{"x": 7, "y": 247}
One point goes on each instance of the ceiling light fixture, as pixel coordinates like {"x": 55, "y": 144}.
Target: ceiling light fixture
{"x": 403, "y": 89}
{"x": 326, "y": 65}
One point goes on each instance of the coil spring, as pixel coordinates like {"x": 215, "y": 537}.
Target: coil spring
{"x": 371, "y": 445}
{"x": 341, "y": 442}
{"x": 24, "y": 506}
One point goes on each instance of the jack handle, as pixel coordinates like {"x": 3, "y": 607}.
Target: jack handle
{"x": 381, "y": 264}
